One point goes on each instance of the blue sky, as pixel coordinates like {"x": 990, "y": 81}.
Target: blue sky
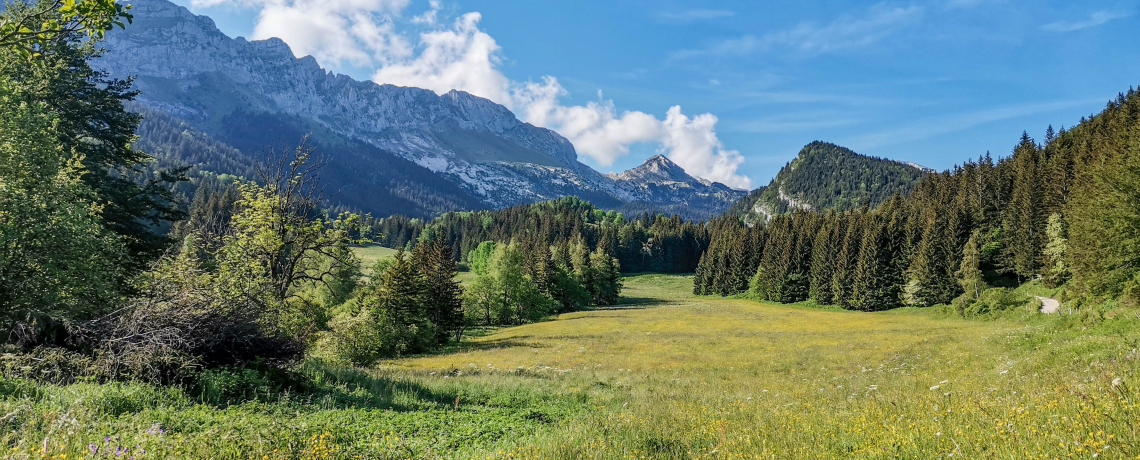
{"x": 933, "y": 82}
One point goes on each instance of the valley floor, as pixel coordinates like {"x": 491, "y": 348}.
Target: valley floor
{"x": 665, "y": 375}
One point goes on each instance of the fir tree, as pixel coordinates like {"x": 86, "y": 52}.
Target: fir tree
{"x": 442, "y": 293}
{"x": 823, "y": 261}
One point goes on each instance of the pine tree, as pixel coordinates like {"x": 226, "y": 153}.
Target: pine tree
{"x": 607, "y": 277}
{"x": 823, "y": 261}
{"x": 929, "y": 280}
{"x": 397, "y": 302}
{"x": 1022, "y": 217}
{"x": 442, "y": 293}
{"x": 845, "y": 262}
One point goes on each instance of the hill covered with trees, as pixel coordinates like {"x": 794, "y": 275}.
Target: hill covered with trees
{"x": 827, "y": 176}
{"x": 1059, "y": 210}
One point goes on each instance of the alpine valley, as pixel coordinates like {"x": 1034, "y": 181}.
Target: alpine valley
{"x": 390, "y": 149}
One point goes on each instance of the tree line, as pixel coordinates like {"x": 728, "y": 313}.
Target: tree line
{"x": 1059, "y": 210}
{"x": 645, "y": 243}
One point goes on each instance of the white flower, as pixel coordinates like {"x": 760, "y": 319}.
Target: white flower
{"x": 935, "y": 387}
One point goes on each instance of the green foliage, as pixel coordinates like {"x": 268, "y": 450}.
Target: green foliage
{"x": 993, "y": 301}
{"x": 93, "y": 125}
{"x": 56, "y": 257}
{"x": 27, "y": 28}
{"x": 480, "y": 258}
{"x": 397, "y": 302}
{"x": 656, "y": 243}
{"x": 606, "y": 277}
{"x": 969, "y": 272}
{"x": 1057, "y": 270}
{"x": 442, "y": 293}
{"x": 825, "y": 176}
{"x": 1104, "y": 237}
{"x": 354, "y": 338}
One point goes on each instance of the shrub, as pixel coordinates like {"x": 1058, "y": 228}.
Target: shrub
{"x": 354, "y": 338}
{"x": 992, "y": 301}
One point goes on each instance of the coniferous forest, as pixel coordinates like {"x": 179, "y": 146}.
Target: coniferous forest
{"x": 1056, "y": 210}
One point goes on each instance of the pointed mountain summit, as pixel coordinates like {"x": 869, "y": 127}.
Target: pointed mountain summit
{"x": 658, "y": 169}
{"x": 666, "y": 187}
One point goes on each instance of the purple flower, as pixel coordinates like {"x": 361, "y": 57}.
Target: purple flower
{"x": 93, "y": 447}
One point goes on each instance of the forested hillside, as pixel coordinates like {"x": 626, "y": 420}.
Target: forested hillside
{"x": 392, "y": 184}
{"x": 826, "y": 176}
{"x": 645, "y": 242}
{"x": 1059, "y": 209}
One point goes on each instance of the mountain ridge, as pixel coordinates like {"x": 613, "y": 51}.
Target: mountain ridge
{"x": 186, "y": 67}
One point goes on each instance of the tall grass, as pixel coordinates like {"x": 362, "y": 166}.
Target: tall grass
{"x": 665, "y": 374}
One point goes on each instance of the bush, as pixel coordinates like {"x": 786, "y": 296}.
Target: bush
{"x": 354, "y": 338}
{"x": 51, "y": 364}
{"x": 993, "y": 301}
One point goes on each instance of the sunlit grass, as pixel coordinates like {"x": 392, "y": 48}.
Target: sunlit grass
{"x": 673, "y": 375}
{"x": 666, "y": 374}
{"x": 373, "y": 253}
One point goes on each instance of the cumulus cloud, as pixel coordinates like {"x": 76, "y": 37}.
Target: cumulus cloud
{"x": 461, "y": 56}
{"x": 336, "y": 32}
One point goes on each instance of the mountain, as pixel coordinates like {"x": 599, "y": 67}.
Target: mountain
{"x": 252, "y": 94}
{"x": 664, "y": 186}
{"x": 825, "y": 176}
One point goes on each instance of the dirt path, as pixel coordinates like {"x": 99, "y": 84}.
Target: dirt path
{"x": 1049, "y": 306}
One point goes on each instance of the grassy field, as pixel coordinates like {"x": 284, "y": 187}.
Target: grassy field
{"x": 373, "y": 253}
{"x": 664, "y": 375}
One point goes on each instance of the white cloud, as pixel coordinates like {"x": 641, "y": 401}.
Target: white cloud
{"x": 813, "y": 38}
{"x": 693, "y": 144}
{"x": 463, "y": 57}
{"x": 1096, "y": 19}
{"x": 336, "y": 32}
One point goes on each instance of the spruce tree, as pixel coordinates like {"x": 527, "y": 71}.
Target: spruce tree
{"x": 823, "y": 261}
{"x": 607, "y": 277}
{"x": 1022, "y": 218}
{"x": 442, "y": 293}
{"x": 845, "y": 262}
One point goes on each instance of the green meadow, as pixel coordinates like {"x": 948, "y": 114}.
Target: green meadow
{"x": 665, "y": 374}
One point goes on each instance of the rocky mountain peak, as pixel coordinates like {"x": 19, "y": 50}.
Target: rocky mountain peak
{"x": 659, "y": 169}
